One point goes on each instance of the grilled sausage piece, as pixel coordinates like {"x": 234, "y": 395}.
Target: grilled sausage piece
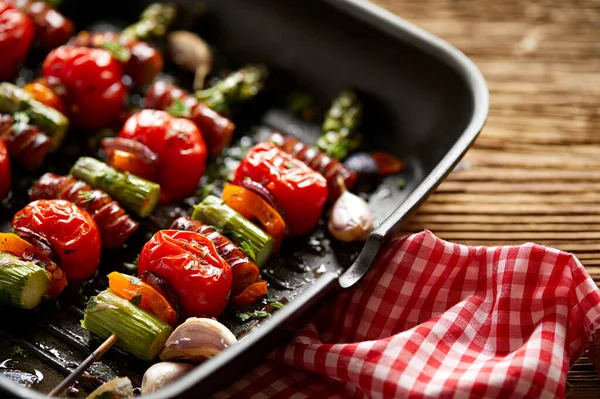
{"x": 244, "y": 270}
{"x": 329, "y": 167}
{"x": 52, "y": 29}
{"x": 216, "y": 129}
{"x": 25, "y": 143}
{"x": 114, "y": 223}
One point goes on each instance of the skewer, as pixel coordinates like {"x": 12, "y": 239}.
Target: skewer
{"x": 97, "y": 354}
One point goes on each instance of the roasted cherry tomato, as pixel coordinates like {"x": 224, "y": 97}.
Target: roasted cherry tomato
{"x": 16, "y": 36}
{"x": 17, "y": 246}
{"x": 45, "y": 95}
{"x": 253, "y": 207}
{"x": 180, "y": 148}
{"x": 130, "y": 287}
{"x": 191, "y": 264}
{"x": 5, "y": 175}
{"x": 71, "y": 232}
{"x": 92, "y": 79}
{"x": 298, "y": 190}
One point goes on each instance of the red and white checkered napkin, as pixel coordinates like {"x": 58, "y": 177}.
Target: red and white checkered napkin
{"x": 436, "y": 319}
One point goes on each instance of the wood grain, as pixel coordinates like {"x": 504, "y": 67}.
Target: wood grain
{"x": 534, "y": 172}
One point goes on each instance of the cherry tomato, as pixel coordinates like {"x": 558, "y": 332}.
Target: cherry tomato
{"x": 150, "y": 299}
{"x": 16, "y": 36}
{"x": 191, "y": 264}
{"x": 92, "y": 80}
{"x": 180, "y": 148}
{"x": 71, "y": 232}
{"x": 17, "y": 246}
{"x": 298, "y": 190}
{"x": 5, "y": 175}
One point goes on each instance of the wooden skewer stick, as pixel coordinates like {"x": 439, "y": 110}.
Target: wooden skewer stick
{"x": 97, "y": 354}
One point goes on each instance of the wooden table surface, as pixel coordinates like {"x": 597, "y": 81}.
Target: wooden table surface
{"x": 534, "y": 173}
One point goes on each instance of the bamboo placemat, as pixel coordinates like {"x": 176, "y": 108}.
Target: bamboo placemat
{"x": 534, "y": 173}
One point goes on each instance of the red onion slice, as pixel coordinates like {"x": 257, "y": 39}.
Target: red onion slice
{"x": 41, "y": 244}
{"x": 260, "y": 190}
{"x": 113, "y": 144}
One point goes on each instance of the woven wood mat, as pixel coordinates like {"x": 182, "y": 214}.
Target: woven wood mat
{"x": 534, "y": 173}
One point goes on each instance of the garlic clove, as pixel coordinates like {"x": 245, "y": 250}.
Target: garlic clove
{"x": 162, "y": 374}
{"x": 191, "y": 53}
{"x": 196, "y": 340}
{"x": 117, "y": 388}
{"x": 350, "y": 219}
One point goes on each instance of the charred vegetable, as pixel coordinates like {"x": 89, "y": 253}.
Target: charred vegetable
{"x": 71, "y": 233}
{"x": 52, "y": 29}
{"x": 237, "y": 87}
{"x": 247, "y": 287}
{"x": 140, "y": 333}
{"x": 15, "y": 100}
{"x": 22, "y": 283}
{"x": 192, "y": 266}
{"x": 26, "y": 144}
{"x": 329, "y": 167}
{"x": 154, "y": 22}
{"x": 5, "y": 172}
{"x": 216, "y": 129}
{"x": 114, "y": 223}
{"x": 196, "y": 340}
{"x": 251, "y": 239}
{"x": 339, "y": 129}
{"x": 134, "y": 193}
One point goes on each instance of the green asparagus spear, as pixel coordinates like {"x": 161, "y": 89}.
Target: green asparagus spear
{"x": 140, "y": 333}
{"x": 22, "y": 283}
{"x": 14, "y": 100}
{"x": 154, "y": 22}
{"x": 237, "y": 87}
{"x": 250, "y": 238}
{"x": 133, "y": 193}
{"x": 341, "y": 122}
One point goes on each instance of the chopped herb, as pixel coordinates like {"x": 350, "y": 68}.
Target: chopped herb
{"x": 277, "y": 305}
{"x": 85, "y": 197}
{"x": 291, "y": 165}
{"x": 204, "y": 252}
{"x": 18, "y": 351}
{"x": 21, "y": 217}
{"x": 179, "y": 109}
{"x": 183, "y": 136}
{"x": 249, "y": 249}
{"x": 136, "y": 300}
{"x": 257, "y": 314}
{"x": 205, "y": 190}
{"x": 400, "y": 183}
{"x": 117, "y": 50}
{"x": 42, "y": 264}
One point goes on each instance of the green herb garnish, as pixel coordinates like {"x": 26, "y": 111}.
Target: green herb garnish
{"x": 257, "y": 314}
{"x": 136, "y": 300}
{"x": 117, "y": 50}
{"x": 179, "y": 109}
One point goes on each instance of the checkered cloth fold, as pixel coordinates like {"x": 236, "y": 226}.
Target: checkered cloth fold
{"x": 437, "y": 319}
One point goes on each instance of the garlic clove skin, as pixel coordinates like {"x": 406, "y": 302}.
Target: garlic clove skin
{"x": 196, "y": 340}
{"x": 350, "y": 219}
{"x": 118, "y": 388}
{"x": 191, "y": 53}
{"x": 162, "y": 374}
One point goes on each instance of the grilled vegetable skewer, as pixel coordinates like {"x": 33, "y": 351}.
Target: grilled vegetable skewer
{"x": 114, "y": 223}
{"x": 140, "y": 333}
{"x": 237, "y": 87}
{"x": 216, "y": 129}
{"x": 329, "y": 167}
{"x": 22, "y": 283}
{"x": 246, "y": 287}
{"x": 252, "y": 240}
{"x": 339, "y": 128}
{"x": 134, "y": 193}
